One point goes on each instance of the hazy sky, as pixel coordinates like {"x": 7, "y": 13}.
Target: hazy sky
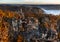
{"x": 32, "y": 1}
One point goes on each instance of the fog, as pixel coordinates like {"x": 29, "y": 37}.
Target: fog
{"x": 54, "y": 12}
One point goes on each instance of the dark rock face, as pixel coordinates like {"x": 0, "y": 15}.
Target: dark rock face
{"x": 28, "y": 24}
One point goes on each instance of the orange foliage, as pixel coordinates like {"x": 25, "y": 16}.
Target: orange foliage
{"x": 4, "y": 32}
{"x": 20, "y": 38}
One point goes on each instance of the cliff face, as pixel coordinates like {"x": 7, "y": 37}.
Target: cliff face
{"x": 26, "y": 22}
